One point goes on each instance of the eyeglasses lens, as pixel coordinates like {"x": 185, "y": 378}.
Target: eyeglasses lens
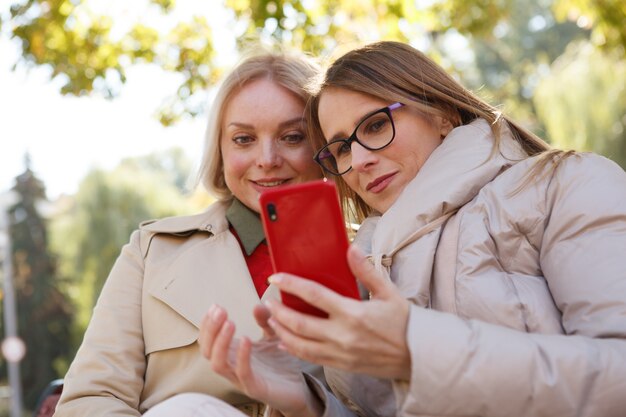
{"x": 373, "y": 133}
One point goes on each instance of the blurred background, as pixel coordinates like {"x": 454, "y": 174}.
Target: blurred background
{"x": 103, "y": 106}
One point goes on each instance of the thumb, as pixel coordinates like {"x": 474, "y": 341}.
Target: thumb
{"x": 376, "y": 283}
{"x": 262, "y": 315}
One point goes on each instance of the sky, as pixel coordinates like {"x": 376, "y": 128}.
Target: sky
{"x": 67, "y": 136}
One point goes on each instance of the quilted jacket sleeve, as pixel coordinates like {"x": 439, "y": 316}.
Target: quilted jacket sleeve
{"x": 470, "y": 368}
{"x": 106, "y": 377}
{"x": 332, "y": 406}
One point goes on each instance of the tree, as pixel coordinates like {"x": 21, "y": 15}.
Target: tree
{"x": 604, "y": 17}
{"x": 90, "y": 51}
{"x": 582, "y": 105}
{"x": 44, "y": 313}
{"x": 87, "y": 54}
{"x": 92, "y": 227}
{"x": 509, "y": 58}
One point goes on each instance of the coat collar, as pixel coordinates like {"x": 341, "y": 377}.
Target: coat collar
{"x": 247, "y": 225}
{"x": 452, "y": 176}
{"x": 213, "y": 220}
{"x": 208, "y": 271}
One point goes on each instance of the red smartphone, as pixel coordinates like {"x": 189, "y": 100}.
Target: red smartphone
{"x": 306, "y": 236}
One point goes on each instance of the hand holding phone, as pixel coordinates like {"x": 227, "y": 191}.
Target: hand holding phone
{"x": 306, "y": 236}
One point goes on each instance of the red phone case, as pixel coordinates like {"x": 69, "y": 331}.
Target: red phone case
{"x": 306, "y": 235}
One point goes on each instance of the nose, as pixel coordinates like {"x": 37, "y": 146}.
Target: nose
{"x": 362, "y": 157}
{"x": 269, "y": 154}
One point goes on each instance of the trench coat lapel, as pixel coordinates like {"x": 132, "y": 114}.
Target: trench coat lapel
{"x": 212, "y": 271}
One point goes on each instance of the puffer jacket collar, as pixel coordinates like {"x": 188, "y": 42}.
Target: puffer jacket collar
{"x": 452, "y": 176}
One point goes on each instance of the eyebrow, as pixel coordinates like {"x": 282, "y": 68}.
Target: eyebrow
{"x": 338, "y": 136}
{"x": 286, "y": 123}
{"x": 343, "y": 136}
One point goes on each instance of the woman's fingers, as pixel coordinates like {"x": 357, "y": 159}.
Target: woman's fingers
{"x": 261, "y": 315}
{"x": 209, "y": 329}
{"x": 307, "y": 337}
{"x": 295, "y": 344}
{"x": 310, "y": 291}
{"x": 243, "y": 369}
{"x": 304, "y": 325}
{"x": 377, "y": 284}
{"x": 327, "y": 351}
{"x": 220, "y": 352}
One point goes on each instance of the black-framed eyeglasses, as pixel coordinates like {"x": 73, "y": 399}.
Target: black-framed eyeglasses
{"x": 374, "y": 132}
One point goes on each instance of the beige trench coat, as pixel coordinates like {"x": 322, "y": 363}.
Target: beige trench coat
{"x": 141, "y": 345}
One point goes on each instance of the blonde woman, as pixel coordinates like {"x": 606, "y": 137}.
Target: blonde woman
{"x": 140, "y": 352}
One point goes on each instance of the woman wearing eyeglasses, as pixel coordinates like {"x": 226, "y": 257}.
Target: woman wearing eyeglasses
{"x": 496, "y": 266}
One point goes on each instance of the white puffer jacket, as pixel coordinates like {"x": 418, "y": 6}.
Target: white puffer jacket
{"x": 518, "y": 299}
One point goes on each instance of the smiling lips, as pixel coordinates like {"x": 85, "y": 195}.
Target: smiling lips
{"x": 380, "y": 183}
{"x": 267, "y": 183}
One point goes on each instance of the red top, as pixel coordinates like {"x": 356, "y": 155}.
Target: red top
{"x": 259, "y": 264}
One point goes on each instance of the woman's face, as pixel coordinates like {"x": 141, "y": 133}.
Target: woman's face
{"x": 379, "y": 177}
{"x": 263, "y": 141}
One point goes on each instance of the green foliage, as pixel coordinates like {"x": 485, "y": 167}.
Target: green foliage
{"x": 88, "y": 55}
{"x": 472, "y": 17}
{"x": 605, "y": 17}
{"x": 83, "y": 52}
{"x": 44, "y": 315}
{"x": 321, "y": 26}
{"x": 165, "y": 5}
{"x": 89, "y": 52}
{"x": 190, "y": 53}
{"x": 583, "y": 105}
{"x": 509, "y": 58}
{"x": 108, "y": 206}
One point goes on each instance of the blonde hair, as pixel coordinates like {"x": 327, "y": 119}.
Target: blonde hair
{"x": 289, "y": 70}
{"x": 397, "y": 72}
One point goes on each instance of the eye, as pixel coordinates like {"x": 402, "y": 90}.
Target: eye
{"x": 243, "y": 139}
{"x": 343, "y": 148}
{"x": 293, "y": 138}
{"x": 339, "y": 149}
{"x": 376, "y": 124}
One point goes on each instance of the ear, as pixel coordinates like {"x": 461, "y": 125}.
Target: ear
{"x": 445, "y": 126}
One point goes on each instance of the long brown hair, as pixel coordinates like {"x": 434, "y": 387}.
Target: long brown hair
{"x": 394, "y": 71}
